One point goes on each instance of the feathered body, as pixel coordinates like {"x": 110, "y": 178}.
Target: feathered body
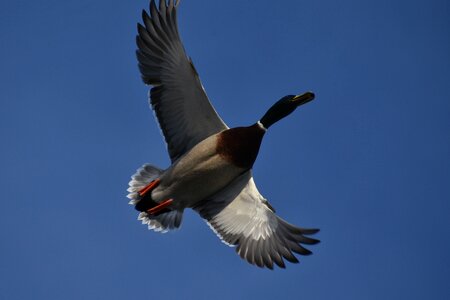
{"x": 209, "y": 167}
{"x": 211, "y": 163}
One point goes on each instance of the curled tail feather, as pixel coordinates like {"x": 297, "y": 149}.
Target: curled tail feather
{"x": 162, "y": 222}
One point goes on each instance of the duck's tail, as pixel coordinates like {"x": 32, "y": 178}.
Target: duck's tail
{"x": 162, "y": 222}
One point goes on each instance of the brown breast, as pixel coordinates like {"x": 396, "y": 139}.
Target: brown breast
{"x": 240, "y": 145}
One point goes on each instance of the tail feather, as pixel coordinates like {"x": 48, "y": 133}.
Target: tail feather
{"x": 143, "y": 176}
{"x": 161, "y": 222}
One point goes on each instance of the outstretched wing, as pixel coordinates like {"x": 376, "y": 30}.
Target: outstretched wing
{"x": 241, "y": 217}
{"x": 182, "y": 108}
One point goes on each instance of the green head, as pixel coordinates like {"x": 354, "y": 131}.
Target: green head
{"x": 284, "y": 107}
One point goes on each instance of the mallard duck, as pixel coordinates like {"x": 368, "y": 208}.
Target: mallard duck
{"x": 211, "y": 169}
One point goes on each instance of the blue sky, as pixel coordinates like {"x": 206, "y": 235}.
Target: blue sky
{"x": 367, "y": 162}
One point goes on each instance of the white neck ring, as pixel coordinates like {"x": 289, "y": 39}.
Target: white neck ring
{"x": 261, "y": 126}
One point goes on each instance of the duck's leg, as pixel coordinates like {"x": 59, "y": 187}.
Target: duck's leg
{"x": 156, "y": 208}
{"x": 146, "y": 202}
{"x": 149, "y": 187}
{"x": 161, "y": 206}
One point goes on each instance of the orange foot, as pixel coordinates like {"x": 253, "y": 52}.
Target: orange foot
{"x": 160, "y": 207}
{"x": 152, "y": 185}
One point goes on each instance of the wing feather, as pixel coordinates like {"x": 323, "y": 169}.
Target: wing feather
{"x": 181, "y": 106}
{"x": 241, "y": 216}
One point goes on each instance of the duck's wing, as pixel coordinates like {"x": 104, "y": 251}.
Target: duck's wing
{"x": 241, "y": 217}
{"x": 182, "y": 108}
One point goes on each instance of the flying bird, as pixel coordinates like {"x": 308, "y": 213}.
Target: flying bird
{"x": 211, "y": 169}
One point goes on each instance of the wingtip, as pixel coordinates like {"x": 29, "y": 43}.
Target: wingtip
{"x": 310, "y": 231}
{"x": 307, "y": 252}
{"x": 139, "y": 28}
{"x": 145, "y": 16}
{"x": 153, "y": 8}
{"x": 291, "y": 258}
{"x": 162, "y": 4}
{"x": 280, "y": 263}
{"x": 315, "y": 242}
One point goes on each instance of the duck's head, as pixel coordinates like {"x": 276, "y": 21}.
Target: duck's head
{"x": 284, "y": 107}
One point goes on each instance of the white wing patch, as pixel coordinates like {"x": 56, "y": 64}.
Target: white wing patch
{"x": 250, "y": 217}
{"x": 242, "y": 217}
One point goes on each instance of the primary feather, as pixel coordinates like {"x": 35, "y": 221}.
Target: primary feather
{"x": 177, "y": 92}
